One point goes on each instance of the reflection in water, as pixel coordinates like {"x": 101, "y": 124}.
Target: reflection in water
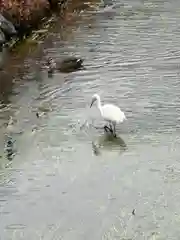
{"x": 6, "y": 85}
{"x": 108, "y": 141}
{"x": 50, "y": 74}
{"x": 106, "y": 3}
{"x": 9, "y": 148}
{"x": 95, "y": 149}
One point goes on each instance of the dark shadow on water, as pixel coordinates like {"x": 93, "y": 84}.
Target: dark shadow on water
{"x": 109, "y": 142}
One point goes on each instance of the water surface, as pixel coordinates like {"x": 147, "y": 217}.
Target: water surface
{"x": 67, "y": 183}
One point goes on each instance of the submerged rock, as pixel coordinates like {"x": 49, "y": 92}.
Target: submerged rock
{"x": 7, "y": 27}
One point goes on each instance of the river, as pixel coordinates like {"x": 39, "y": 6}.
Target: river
{"x": 65, "y": 181}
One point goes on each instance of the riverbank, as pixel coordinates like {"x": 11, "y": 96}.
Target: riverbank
{"x": 19, "y": 18}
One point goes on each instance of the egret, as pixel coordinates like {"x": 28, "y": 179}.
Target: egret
{"x": 110, "y": 113}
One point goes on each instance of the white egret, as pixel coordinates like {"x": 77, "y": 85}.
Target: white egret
{"x": 110, "y": 113}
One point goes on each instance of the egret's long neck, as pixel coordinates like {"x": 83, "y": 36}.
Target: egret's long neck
{"x": 99, "y": 106}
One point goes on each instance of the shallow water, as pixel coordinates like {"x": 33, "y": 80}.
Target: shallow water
{"x": 66, "y": 181}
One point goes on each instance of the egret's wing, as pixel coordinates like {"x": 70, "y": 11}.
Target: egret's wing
{"x": 112, "y": 113}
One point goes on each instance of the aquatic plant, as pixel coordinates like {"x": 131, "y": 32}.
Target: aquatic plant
{"x": 24, "y": 14}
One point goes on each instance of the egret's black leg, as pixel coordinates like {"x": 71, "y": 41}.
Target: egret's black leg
{"x": 110, "y": 128}
{"x": 106, "y": 128}
{"x": 114, "y": 130}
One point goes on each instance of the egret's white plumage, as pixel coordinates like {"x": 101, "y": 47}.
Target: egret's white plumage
{"x": 109, "y": 112}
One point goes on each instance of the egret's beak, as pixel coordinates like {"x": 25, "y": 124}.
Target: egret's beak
{"x": 92, "y": 103}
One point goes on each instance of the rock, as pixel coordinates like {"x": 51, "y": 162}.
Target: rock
{"x": 1, "y": 57}
{"x": 7, "y": 27}
{"x": 2, "y": 39}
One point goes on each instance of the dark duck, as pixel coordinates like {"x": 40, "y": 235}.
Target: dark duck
{"x": 70, "y": 64}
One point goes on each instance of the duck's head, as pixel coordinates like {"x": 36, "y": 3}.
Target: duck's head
{"x": 51, "y": 64}
{"x": 79, "y": 61}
